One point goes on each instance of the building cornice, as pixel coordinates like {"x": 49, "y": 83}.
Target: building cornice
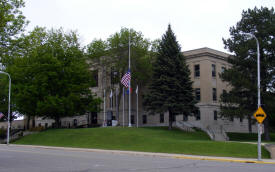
{"x": 206, "y": 52}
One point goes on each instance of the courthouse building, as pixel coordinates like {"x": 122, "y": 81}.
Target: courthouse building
{"x": 205, "y": 65}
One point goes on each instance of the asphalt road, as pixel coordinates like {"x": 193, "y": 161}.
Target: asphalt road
{"x": 33, "y": 159}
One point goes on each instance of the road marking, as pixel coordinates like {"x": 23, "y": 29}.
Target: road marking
{"x": 223, "y": 160}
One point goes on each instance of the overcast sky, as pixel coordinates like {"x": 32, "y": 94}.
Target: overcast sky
{"x": 196, "y": 23}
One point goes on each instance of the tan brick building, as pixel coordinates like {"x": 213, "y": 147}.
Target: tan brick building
{"x": 205, "y": 65}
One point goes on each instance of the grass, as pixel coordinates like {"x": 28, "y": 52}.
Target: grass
{"x": 155, "y": 139}
{"x": 248, "y": 137}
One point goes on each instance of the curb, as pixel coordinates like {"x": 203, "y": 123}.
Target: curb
{"x": 165, "y": 155}
{"x": 225, "y": 160}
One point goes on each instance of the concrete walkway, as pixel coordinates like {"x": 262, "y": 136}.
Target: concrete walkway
{"x": 270, "y": 147}
{"x": 167, "y": 155}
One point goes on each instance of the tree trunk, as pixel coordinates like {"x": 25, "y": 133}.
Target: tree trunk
{"x": 266, "y": 129}
{"x": 28, "y": 122}
{"x": 33, "y": 121}
{"x": 170, "y": 120}
{"x": 249, "y": 124}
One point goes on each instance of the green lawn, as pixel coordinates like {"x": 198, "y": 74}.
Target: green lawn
{"x": 156, "y": 139}
{"x": 248, "y": 137}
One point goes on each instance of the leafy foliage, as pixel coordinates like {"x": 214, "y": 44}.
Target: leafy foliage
{"x": 112, "y": 57}
{"x": 241, "y": 101}
{"x": 171, "y": 87}
{"x": 12, "y": 23}
{"x": 52, "y": 78}
{"x": 116, "y": 47}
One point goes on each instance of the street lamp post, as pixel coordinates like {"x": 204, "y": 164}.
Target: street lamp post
{"x": 259, "y": 92}
{"x": 8, "y": 130}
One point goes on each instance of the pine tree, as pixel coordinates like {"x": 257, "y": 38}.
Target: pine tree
{"x": 171, "y": 87}
{"x": 241, "y": 101}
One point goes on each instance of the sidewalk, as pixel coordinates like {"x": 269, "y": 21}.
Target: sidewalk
{"x": 166, "y": 155}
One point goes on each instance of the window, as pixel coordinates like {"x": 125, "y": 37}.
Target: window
{"x": 132, "y": 119}
{"x": 144, "y": 119}
{"x": 174, "y": 118}
{"x": 185, "y": 117}
{"x": 95, "y": 77}
{"x": 111, "y": 100}
{"x": 198, "y": 94}
{"x": 231, "y": 118}
{"x": 241, "y": 119}
{"x": 198, "y": 115}
{"x": 222, "y": 69}
{"x": 197, "y": 70}
{"x": 161, "y": 118}
{"x": 214, "y": 93}
{"x": 215, "y": 115}
{"x": 224, "y": 94}
{"x": 213, "y": 70}
{"x": 75, "y": 122}
{"x": 114, "y": 76}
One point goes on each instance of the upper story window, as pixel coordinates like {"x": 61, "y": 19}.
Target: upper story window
{"x": 214, "y": 94}
{"x": 198, "y": 94}
{"x": 114, "y": 76}
{"x": 95, "y": 77}
{"x": 213, "y": 70}
{"x": 197, "y": 70}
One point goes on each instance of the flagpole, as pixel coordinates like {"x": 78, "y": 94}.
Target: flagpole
{"x": 123, "y": 109}
{"x": 117, "y": 115}
{"x": 129, "y": 119}
{"x": 111, "y": 103}
{"x": 104, "y": 107}
{"x": 137, "y": 104}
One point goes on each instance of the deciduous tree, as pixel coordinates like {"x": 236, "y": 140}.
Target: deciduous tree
{"x": 12, "y": 24}
{"x": 52, "y": 78}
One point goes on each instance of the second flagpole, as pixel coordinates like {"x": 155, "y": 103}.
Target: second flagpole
{"x": 129, "y": 118}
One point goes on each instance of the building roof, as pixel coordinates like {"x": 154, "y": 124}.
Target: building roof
{"x": 205, "y": 51}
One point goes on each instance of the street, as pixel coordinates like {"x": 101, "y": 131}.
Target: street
{"x": 33, "y": 159}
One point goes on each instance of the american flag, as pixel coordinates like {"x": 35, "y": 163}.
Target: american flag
{"x": 1, "y": 115}
{"x": 126, "y": 78}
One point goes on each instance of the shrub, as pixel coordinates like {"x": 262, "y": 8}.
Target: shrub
{"x": 3, "y": 133}
{"x": 39, "y": 128}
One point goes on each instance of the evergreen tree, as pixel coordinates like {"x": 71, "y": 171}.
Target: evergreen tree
{"x": 171, "y": 87}
{"x": 241, "y": 101}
